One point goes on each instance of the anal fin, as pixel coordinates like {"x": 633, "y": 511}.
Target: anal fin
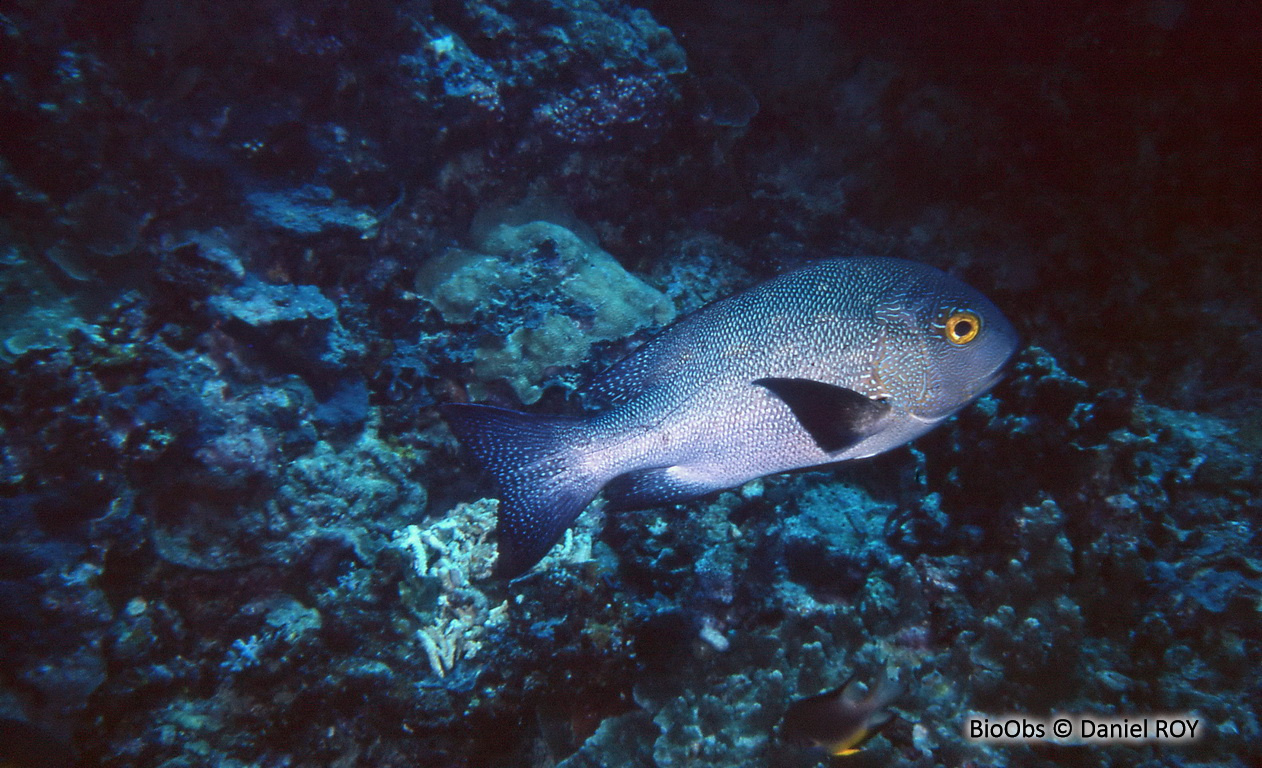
{"x": 653, "y": 488}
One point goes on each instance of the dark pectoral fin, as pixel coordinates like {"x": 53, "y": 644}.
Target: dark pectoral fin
{"x": 835, "y": 417}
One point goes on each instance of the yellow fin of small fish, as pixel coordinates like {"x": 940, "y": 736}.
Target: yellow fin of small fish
{"x": 851, "y": 745}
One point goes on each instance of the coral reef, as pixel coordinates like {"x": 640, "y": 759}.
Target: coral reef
{"x": 450, "y": 557}
{"x": 555, "y": 295}
{"x": 310, "y": 210}
{"x": 246, "y": 248}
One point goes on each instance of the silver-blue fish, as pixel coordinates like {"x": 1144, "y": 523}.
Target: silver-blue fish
{"x": 844, "y": 359}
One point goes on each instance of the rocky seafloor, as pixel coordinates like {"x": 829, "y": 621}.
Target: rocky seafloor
{"x": 247, "y": 248}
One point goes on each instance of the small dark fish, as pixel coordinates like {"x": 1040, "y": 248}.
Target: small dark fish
{"x": 842, "y": 720}
{"x": 843, "y": 359}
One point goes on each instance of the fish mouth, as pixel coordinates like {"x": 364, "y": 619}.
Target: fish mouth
{"x": 982, "y": 388}
{"x": 997, "y": 374}
{"x": 992, "y": 380}
{"x": 1001, "y": 370}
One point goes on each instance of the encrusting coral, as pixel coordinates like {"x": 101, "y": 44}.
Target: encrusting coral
{"x": 554, "y": 294}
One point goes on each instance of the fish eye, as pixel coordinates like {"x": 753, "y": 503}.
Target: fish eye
{"x": 962, "y": 326}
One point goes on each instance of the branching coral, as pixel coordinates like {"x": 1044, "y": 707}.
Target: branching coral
{"x": 453, "y": 557}
{"x": 454, "y": 554}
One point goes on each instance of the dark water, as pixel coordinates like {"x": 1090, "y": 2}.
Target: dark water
{"x": 247, "y": 248}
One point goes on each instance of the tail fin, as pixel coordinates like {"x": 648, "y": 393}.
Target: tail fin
{"x": 533, "y": 460}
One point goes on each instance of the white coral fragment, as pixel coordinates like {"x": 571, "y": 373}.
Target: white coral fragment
{"x": 456, "y": 555}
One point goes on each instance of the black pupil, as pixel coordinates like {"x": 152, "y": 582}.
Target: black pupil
{"x": 963, "y": 328}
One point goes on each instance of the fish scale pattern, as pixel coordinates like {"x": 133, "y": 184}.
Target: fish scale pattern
{"x": 697, "y": 409}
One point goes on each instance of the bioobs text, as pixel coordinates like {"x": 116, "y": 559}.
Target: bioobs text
{"x": 1079, "y": 729}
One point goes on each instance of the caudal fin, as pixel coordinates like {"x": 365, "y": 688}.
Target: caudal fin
{"x": 534, "y": 461}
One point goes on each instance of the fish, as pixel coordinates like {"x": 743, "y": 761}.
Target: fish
{"x": 843, "y": 359}
{"x": 842, "y": 720}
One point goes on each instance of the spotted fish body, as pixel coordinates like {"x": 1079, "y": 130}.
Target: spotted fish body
{"x": 844, "y": 359}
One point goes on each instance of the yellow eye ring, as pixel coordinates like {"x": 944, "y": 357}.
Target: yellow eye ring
{"x": 962, "y": 327}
